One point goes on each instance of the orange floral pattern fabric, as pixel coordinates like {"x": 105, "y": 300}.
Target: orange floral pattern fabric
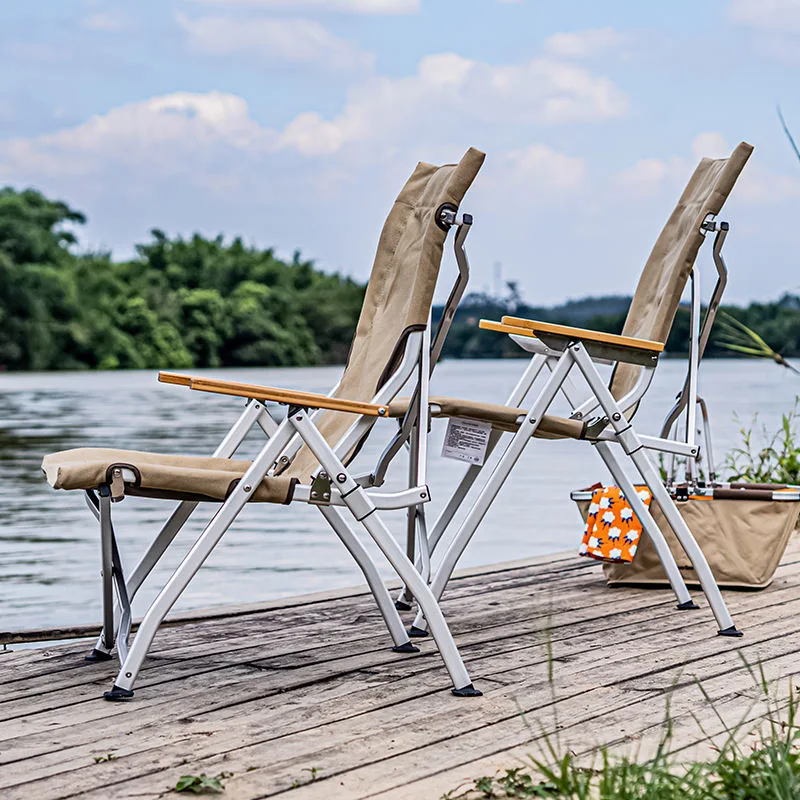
{"x": 612, "y": 530}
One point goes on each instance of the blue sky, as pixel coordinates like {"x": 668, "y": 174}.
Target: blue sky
{"x": 294, "y": 123}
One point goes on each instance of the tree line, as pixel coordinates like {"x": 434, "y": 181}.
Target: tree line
{"x": 178, "y": 303}
{"x": 199, "y": 302}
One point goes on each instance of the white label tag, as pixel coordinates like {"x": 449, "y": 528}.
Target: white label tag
{"x": 466, "y": 440}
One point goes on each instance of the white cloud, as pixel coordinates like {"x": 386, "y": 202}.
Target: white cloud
{"x": 187, "y": 161}
{"x": 775, "y": 26}
{"x": 450, "y": 91}
{"x": 164, "y": 134}
{"x": 539, "y": 167}
{"x": 648, "y": 176}
{"x": 281, "y": 39}
{"x": 583, "y": 44}
{"x": 433, "y": 107}
{"x": 340, "y": 6}
{"x": 781, "y": 16}
{"x": 756, "y": 186}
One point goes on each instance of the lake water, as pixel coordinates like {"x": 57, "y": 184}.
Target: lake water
{"x": 49, "y": 542}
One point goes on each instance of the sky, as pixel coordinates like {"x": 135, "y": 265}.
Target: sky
{"x": 294, "y": 123}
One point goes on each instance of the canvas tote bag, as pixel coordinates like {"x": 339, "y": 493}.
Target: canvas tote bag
{"x": 742, "y": 532}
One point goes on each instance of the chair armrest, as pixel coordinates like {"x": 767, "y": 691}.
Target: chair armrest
{"x": 527, "y": 327}
{"x": 284, "y": 396}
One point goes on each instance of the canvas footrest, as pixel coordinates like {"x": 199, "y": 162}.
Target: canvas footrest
{"x": 160, "y": 475}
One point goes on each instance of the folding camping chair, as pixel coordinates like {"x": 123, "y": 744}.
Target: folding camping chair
{"x": 634, "y": 354}
{"x": 306, "y": 456}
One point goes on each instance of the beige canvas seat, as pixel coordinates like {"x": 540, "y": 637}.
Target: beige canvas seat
{"x": 605, "y": 411}
{"x": 306, "y": 457}
{"x": 158, "y": 475}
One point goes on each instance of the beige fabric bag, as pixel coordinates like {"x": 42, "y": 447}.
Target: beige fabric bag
{"x": 743, "y": 541}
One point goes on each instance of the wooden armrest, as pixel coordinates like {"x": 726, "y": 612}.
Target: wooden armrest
{"x": 284, "y": 396}
{"x": 533, "y": 328}
{"x": 173, "y": 377}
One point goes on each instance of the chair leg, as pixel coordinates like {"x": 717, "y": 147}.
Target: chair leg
{"x": 649, "y": 524}
{"x": 106, "y": 547}
{"x": 493, "y": 485}
{"x": 402, "y": 643}
{"x": 147, "y": 562}
{"x": 202, "y": 548}
{"x": 253, "y": 413}
{"x": 363, "y": 509}
{"x": 688, "y": 543}
{"x": 632, "y": 445}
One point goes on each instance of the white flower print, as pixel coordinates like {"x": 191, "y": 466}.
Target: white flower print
{"x": 605, "y": 502}
{"x": 613, "y": 533}
{"x": 632, "y": 536}
{"x": 608, "y": 517}
{"x": 593, "y": 542}
{"x": 632, "y": 550}
{"x": 615, "y": 553}
{"x": 626, "y": 513}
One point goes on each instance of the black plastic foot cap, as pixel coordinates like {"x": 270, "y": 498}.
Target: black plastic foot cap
{"x": 417, "y": 633}
{"x": 405, "y": 648}
{"x": 117, "y": 693}
{"x": 98, "y": 655}
{"x": 732, "y": 631}
{"x": 468, "y": 691}
{"x": 402, "y": 605}
{"x": 689, "y": 605}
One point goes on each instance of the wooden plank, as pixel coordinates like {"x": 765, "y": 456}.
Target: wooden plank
{"x": 280, "y": 688}
{"x": 588, "y": 654}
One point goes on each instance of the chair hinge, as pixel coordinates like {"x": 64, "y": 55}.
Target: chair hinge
{"x": 320, "y": 494}
{"x": 117, "y": 485}
{"x": 595, "y": 427}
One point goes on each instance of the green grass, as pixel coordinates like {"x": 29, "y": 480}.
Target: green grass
{"x": 766, "y": 768}
{"x": 764, "y": 457}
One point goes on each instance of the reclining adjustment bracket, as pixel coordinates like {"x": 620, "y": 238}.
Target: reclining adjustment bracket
{"x": 594, "y": 427}
{"x": 320, "y": 494}
{"x": 117, "y": 485}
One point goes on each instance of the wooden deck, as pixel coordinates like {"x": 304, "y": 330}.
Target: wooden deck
{"x": 270, "y": 694}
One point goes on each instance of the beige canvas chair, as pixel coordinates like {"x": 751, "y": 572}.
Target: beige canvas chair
{"x": 603, "y": 415}
{"x": 306, "y": 457}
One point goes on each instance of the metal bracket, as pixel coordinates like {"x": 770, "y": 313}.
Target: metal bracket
{"x": 320, "y": 490}
{"x": 595, "y": 427}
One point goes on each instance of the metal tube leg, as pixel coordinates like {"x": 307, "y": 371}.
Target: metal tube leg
{"x": 370, "y": 570}
{"x": 254, "y": 412}
{"x": 147, "y": 562}
{"x": 106, "y": 547}
{"x": 649, "y": 524}
{"x": 123, "y": 601}
{"x": 462, "y": 684}
{"x": 632, "y": 445}
{"x": 498, "y": 477}
{"x": 202, "y": 548}
{"x": 363, "y": 509}
{"x": 688, "y": 543}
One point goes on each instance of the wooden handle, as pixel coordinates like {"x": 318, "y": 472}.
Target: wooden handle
{"x": 582, "y": 334}
{"x": 173, "y": 377}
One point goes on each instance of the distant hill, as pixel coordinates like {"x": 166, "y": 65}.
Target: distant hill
{"x": 777, "y": 322}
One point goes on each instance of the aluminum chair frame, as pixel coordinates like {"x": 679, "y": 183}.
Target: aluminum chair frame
{"x": 560, "y": 356}
{"x": 352, "y": 493}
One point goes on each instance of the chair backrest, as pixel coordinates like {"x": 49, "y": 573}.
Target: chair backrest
{"x": 663, "y": 280}
{"x": 400, "y": 289}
